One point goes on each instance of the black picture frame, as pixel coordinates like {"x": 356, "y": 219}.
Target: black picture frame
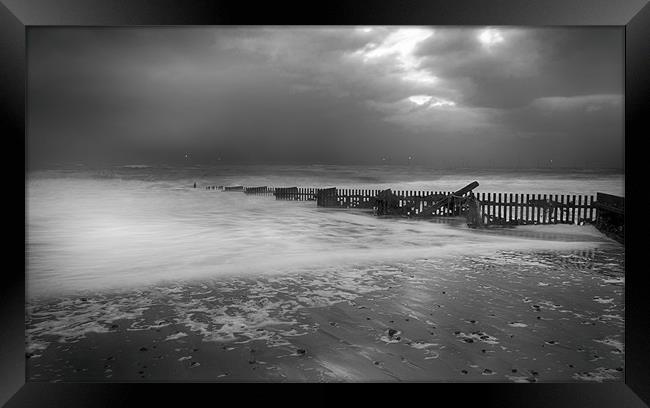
{"x": 16, "y": 16}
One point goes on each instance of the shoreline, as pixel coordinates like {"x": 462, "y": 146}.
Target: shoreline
{"x": 548, "y": 315}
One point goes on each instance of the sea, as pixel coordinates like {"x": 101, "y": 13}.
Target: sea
{"x": 133, "y": 226}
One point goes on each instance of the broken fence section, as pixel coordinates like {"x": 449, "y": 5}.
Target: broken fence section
{"x": 495, "y": 208}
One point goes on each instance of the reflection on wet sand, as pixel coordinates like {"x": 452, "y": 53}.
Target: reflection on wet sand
{"x": 521, "y": 316}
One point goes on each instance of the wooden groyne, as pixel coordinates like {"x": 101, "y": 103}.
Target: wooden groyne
{"x": 604, "y": 210}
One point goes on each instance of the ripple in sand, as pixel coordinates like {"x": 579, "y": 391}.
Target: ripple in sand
{"x": 599, "y": 375}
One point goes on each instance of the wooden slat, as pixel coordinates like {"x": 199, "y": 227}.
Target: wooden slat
{"x": 517, "y": 209}
{"x": 490, "y": 206}
{"x": 511, "y": 208}
{"x": 581, "y": 209}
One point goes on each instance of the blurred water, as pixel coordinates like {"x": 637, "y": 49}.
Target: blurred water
{"x": 133, "y": 226}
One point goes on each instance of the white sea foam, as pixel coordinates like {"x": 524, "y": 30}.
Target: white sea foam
{"x": 176, "y": 336}
{"x": 147, "y": 225}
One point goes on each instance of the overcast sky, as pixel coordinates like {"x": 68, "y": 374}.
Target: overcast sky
{"x": 449, "y": 96}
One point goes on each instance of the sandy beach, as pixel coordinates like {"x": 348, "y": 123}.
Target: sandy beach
{"x": 512, "y": 316}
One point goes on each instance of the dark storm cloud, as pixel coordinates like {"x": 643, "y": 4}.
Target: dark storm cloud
{"x": 477, "y": 96}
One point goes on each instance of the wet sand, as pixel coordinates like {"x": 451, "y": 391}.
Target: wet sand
{"x": 511, "y": 316}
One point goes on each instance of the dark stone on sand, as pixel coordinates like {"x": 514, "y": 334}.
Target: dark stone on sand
{"x": 407, "y": 319}
{"x": 457, "y": 332}
{"x": 83, "y": 299}
{"x": 464, "y": 371}
{"x": 472, "y": 321}
{"x": 514, "y": 370}
{"x": 538, "y": 317}
{"x": 469, "y": 340}
{"x": 109, "y": 358}
{"x": 571, "y": 365}
{"x": 398, "y": 338}
{"x": 301, "y": 351}
{"x": 140, "y": 372}
{"x": 29, "y": 355}
{"x": 375, "y": 362}
{"x": 143, "y": 349}
{"x": 483, "y": 351}
{"x": 619, "y": 368}
{"x": 444, "y": 293}
{"x": 487, "y": 371}
{"x": 534, "y": 373}
{"x": 367, "y": 318}
{"x": 114, "y": 326}
{"x": 391, "y": 332}
{"x": 551, "y": 342}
